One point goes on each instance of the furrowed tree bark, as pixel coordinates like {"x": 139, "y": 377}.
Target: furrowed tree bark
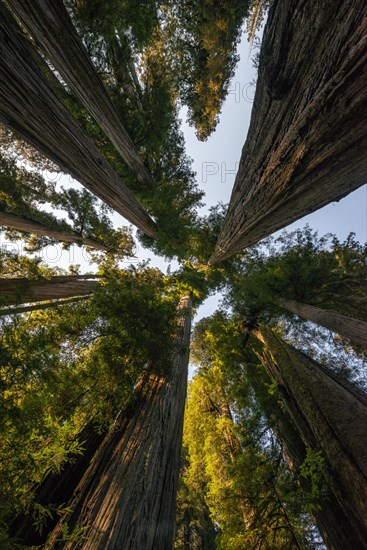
{"x": 332, "y": 523}
{"x": 354, "y": 329}
{"x": 127, "y": 498}
{"x": 27, "y": 225}
{"x": 20, "y": 290}
{"x": 35, "y": 307}
{"x": 331, "y": 417}
{"x": 56, "y": 490}
{"x": 29, "y": 106}
{"x": 50, "y": 25}
{"x": 306, "y": 145}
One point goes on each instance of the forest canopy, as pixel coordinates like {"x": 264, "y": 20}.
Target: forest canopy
{"x": 123, "y": 427}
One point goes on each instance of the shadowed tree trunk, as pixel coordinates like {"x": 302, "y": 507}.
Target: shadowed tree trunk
{"x": 127, "y": 498}
{"x": 20, "y": 290}
{"x": 354, "y": 329}
{"x": 26, "y": 225}
{"x": 56, "y": 490}
{"x": 330, "y": 416}
{"x": 30, "y": 107}
{"x": 334, "y": 526}
{"x": 331, "y": 521}
{"x": 306, "y": 145}
{"x": 49, "y": 23}
{"x": 35, "y": 307}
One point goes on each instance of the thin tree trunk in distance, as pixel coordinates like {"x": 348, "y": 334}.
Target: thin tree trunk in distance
{"x": 306, "y": 145}
{"x": 39, "y": 306}
{"x": 354, "y": 329}
{"x": 29, "y": 106}
{"x": 27, "y": 225}
{"x": 20, "y": 290}
{"x": 49, "y": 23}
{"x": 127, "y": 498}
{"x": 330, "y": 417}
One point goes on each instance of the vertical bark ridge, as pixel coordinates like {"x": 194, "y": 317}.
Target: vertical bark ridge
{"x": 354, "y": 329}
{"x": 26, "y": 225}
{"x": 306, "y": 145}
{"x": 50, "y": 25}
{"x": 329, "y": 417}
{"x": 126, "y": 499}
{"x": 29, "y": 106}
{"x": 334, "y": 526}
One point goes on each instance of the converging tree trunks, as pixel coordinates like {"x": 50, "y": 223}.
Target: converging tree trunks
{"x": 31, "y": 108}
{"x": 49, "y": 24}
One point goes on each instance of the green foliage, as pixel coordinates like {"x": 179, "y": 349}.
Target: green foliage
{"x": 194, "y": 527}
{"x": 207, "y": 38}
{"x": 235, "y": 461}
{"x": 63, "y": 367}
{"x": 23, "y": 192}
{"x": 312, "y": 468}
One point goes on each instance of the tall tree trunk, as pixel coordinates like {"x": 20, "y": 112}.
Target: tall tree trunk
{"x": 27, "y": 225}
{"x": 56, "y": 490}
{"x": 20, "y": 290}
{"x": 332, "y": 523}
{"x": 330, "y": 416}
{"x": 127, "y": 498}
{"x": 306, "y": 145}
{"x": 354, "y": 329}
{"x": 49, "y": 23}
{"x": 35, "y": 307}
{"x": 29, "y": 106}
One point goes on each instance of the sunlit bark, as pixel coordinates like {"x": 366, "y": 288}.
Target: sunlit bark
{"x": 126, "y": 500}
{"x": 306, "y": 145}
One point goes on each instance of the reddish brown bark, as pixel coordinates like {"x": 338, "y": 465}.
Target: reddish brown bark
{"x": 127, "y": 497}
{"x": 26, "y": 225}
{"x": 21, "y": 290}
{"x": 29, "y": 106}
{"x": 306, "y": 145}
{"x": 354, "y": 329}
{"x": 334, "y": 526}
{"x": 50, "y": 26}
{"x": 331, "y": 417}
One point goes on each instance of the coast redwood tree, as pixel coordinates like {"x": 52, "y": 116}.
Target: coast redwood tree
{"x": 335, "y": 526}
{"x": 21, "y": 290}
{"x": 56, "y": 489}
{"x": 29, "y": 106}
{"x": 306, "y": 145}
{"x": 330, "y": 414}
{"x": 50, "y": 25}
{"x": 354, "y": 329}
{"x": 126, "y": 499}
{"x": 25, "y": 225}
